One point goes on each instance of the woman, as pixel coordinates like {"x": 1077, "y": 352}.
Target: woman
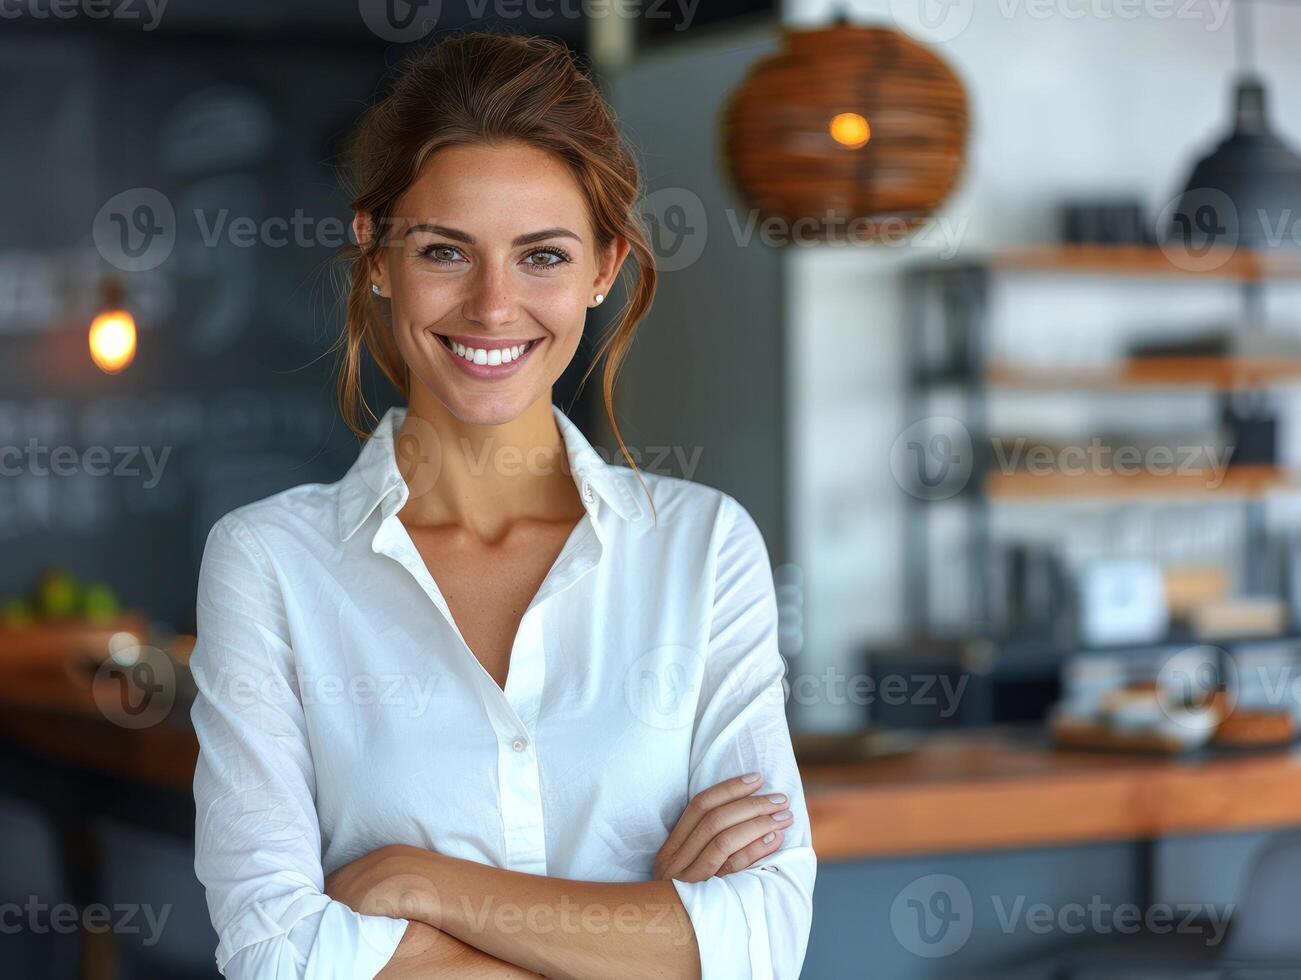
{"x": 490, "y": 705}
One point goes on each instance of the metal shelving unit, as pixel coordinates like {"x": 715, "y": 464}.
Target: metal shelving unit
{"x": 948, "y": 320}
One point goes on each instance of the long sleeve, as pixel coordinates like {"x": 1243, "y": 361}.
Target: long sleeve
{"x": 753, "y": 923}
{"x": 257, "y": 846}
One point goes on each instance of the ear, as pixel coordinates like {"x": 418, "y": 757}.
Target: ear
{"x": 611, "y": 262}
{"x": 363, "y": 228}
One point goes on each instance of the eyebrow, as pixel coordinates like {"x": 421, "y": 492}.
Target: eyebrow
{"x": 461, "y": 236}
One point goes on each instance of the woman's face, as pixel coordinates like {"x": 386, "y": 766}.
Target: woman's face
{"x": 491, "y": 268}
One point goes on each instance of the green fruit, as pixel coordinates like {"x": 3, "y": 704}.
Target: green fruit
{"x": 99, "y": 603}
{"x": 57, "y": 595}
{"x": 17, "y": 613}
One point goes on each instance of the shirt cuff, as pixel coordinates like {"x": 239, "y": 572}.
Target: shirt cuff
{"x": 319, "y": 944}
{"x": 372, "y": 940}
{"x": 731, "y": 925}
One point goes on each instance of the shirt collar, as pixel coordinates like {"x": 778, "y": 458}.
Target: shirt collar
{"x": 375, "y": 481}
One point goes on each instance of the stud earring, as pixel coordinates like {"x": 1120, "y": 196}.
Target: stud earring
{"x": 600, "y": 298}
{"x": 374, "y": 288}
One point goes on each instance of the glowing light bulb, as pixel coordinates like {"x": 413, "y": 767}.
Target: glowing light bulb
{"x": 113, "y": 340}
{"x": 850, "y": 129}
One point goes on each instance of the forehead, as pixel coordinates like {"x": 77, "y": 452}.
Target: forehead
{"x": 505, "y": 188}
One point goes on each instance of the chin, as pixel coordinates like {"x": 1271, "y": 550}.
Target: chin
{"x": 486, "y": 408}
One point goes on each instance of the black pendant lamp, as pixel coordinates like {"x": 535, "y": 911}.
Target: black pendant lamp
{"x": 1247, "y": 191}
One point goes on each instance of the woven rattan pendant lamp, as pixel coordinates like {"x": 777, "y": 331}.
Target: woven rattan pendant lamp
{"x": 859, "y": 131}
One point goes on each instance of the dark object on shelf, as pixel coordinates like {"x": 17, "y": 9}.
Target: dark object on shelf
{"x": 927, "y": 682}
{"x": 1293, "y": 578}
{"x": 1229, "y": 341}
{"x": 1250, "y": 429}
{"x": 1105, "y": 222}
{"x": 1029, "y": 594}
{"x": 1213, "y": 344}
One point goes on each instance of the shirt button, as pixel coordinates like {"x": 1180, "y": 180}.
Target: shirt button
{"x": 519, "y": 745}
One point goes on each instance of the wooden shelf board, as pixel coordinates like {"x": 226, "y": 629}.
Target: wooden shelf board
{"x": 1243, "y": 265}
{"x": 1238, "y": 481}
{"x": 1217, "y": 373}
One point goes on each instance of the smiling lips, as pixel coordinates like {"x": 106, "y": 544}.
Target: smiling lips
{"x": 502, "y": 358}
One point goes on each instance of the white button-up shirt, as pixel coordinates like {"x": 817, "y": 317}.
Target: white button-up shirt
{"x": 340, "y": 709}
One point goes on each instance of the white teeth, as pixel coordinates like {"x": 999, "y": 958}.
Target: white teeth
{"x": 494, "y": 356}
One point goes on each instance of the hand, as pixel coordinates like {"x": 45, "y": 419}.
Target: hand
{"x": 722, "y": 830}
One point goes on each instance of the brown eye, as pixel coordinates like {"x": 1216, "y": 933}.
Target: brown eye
{"x": 559, "y": 254}
{"x": 429, "y": 251}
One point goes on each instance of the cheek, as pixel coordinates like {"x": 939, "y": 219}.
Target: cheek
{"x": 425, "y": 300}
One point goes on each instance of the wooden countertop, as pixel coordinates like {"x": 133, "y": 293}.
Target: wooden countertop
{"x": 987, "y": 790}
{"x": 961, "y": 791}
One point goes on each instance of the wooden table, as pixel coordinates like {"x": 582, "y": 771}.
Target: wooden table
{"x": 990, "y": 790}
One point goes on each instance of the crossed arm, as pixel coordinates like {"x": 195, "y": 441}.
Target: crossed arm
{"x": 494, "y": 922}
{"x": 513, "y": 924}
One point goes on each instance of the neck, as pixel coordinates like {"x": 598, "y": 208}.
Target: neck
{"x": 483, "y": 478}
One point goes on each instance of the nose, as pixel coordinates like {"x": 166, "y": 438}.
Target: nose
{"x": 491, "y": 299}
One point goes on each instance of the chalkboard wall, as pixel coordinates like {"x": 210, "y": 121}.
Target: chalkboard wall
{"x": 196, "y": 171}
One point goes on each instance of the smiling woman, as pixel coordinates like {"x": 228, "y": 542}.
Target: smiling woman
{"x": 510, "y": 302}
{"x": 574, "y": 789}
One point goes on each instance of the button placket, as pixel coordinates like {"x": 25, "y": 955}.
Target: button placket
{"x": 518, "y": 764}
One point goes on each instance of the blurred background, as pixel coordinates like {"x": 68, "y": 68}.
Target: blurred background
{"x": 991, "y": 317}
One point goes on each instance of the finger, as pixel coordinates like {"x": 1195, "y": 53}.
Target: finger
{"x": 704, "y": 801}
{"x": 714, "y": 854}
{"x": 708, "y": 834}
{"x": 747, "y": 855}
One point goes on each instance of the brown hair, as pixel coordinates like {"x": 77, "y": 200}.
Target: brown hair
{"x": 486, "y": 87}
